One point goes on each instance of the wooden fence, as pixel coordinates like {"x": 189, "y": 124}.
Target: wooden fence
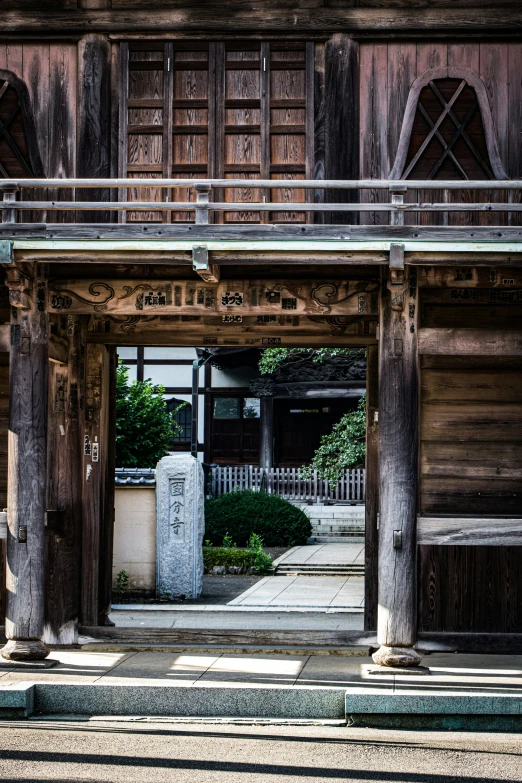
{"x": 288, "y": 483}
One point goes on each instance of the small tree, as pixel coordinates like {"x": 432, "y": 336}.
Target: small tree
{"x": 344, "y": 447}
{"x": 144, "y": 426}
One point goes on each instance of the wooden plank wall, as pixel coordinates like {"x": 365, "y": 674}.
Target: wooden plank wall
{"x": 387, "y": 71}
{"x": 470, "y": 462}
{"x": 50, "y": 73}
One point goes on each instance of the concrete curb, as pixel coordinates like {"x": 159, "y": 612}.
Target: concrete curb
{"x": 214, "y": 700}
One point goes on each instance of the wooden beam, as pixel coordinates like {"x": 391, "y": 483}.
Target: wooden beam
{"x": 466, "y": 531}
{"x": 470, "y": 342}
{"x": 64, "y": 491}
{"x": 476, "y": 236}
{"x": 398, "y": 448}
{"x": 58, "y": 349}
{"x": 371, "y": 503}
{"x": 27, "y": 472}
{"x": 254, "y": 331}
{"x": 231, "y": 299}
{"x": 293, "y": 18}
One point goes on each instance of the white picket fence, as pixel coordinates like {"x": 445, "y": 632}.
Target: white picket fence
{"x": 288, "y": 483}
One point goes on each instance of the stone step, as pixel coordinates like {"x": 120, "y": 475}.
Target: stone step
{"x": 331, "y": 538}
{"x": 296, "y": 570}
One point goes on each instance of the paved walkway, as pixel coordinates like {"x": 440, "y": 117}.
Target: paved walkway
{"x": 324, "y": 593}
{"x": 497, "y": 674}
{"x": 324, "y": 554}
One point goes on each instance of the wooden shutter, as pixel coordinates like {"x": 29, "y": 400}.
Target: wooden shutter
{"x": 217, "y": 110}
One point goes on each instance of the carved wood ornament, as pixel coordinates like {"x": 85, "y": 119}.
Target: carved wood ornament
{"x": 492, "y": 168}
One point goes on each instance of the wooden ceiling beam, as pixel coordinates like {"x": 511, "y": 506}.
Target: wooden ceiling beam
{"x": 210, "y": 17}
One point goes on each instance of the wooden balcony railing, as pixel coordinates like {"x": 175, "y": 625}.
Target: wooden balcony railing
{"x": 204, "y": 206}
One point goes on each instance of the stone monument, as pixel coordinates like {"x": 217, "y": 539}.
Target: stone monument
{"x": 180, "y": 526}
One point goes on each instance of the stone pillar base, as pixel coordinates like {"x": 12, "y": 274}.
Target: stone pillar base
{"x": 396, "y": 656}
{"x": 24, "y": 650}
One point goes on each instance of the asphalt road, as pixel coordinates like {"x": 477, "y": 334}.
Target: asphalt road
{"x": 204, "y": 753}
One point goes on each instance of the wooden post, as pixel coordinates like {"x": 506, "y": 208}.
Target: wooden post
{"x": 398, "y": 448}
{"x": 341, "y": 118}
{"x": 107, "y": 531}
{"x": 64, "y": 493}
{"x": 266, "y": 443}
{"x": 95, "y": 445}
{"x": 94, "y": 136}
{"x": 27, "y": 475}
{"x": 371, "y": 507}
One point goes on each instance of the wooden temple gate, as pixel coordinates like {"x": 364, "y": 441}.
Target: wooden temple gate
{"x": 303, "y": 188}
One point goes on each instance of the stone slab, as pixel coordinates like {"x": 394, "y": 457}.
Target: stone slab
{"x": 213, "y": 700}
{"x": 16, "y": 700}
{"x": 374, "y": 700}
{"x": 47, "y": 663}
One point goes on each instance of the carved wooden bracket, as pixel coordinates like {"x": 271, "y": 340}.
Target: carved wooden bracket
{"x": 20, "y": 288}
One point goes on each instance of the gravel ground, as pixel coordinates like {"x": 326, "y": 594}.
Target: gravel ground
{"x": 123, "y": 752}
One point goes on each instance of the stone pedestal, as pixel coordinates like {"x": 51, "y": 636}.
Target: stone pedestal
{"x": 180, "y": 526}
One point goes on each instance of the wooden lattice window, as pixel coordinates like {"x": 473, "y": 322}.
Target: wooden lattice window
{"x": 217, "y": 110}
{"x": 448, "y": 130}
{"x": 19, "y": 155}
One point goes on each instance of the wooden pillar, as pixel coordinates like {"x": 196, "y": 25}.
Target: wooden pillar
{"x": 27, "y": 470}
{"x": 371, "y": 507}
{"x": 94, "y": 477}
{"x": 341, "y": 119}
{"x": 94, "y": 117}
{"x": 266, "y": 442}
{"x": 398, "y": 448}
{"x": 107, "y": 533}
{"x": 64, "y": 495}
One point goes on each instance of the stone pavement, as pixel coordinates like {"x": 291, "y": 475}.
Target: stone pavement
{"x": 237, "y": 618}
{"x": 305, "y": 592}
{"x": 481, "y": 692}
{"x": 324, "y": 554}
{"x": 462, "y": 672}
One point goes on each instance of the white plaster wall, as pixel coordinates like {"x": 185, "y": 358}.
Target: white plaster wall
{"x": 135, "y": 536}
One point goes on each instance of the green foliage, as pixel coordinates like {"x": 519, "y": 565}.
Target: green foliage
{"x": 255, "y": 542}
{"x": 228, "y": 542}
{"x": 344, "y": 447}
{"x": 144, "y": 427}
{"x": 246, "y": 558}
{"x": 272, "y": 358}
{"x": 122, "y": 583}
{"x": 241, "y": 513}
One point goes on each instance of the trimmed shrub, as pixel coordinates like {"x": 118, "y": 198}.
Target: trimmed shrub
{"x": 242, "y": 513}
{"x": 246, "y": 558}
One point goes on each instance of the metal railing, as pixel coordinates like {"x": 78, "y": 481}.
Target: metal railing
{"x": 288, "y": 483}
{"x": 203, "y": 206}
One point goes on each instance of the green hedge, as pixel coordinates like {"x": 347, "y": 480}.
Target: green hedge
{"x": 239, "y": 514}
{"x": 246, "y": 558}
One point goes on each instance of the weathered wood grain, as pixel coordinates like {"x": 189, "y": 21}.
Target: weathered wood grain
{"x": 211, "y": 18}
{"x": 94, "y": 117}
{"x": 371, "y": 505}
{"x": 64, "y": 482}
{"x": 470, "y": 342}
{"x": 398, "y": 436}
{"x": 231, "y": 298}
{"x": 463, "y": 531}
{"x": 28, "y": 374}
{"x": 341, "y": 121}
{"x": 94, "y": 476}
